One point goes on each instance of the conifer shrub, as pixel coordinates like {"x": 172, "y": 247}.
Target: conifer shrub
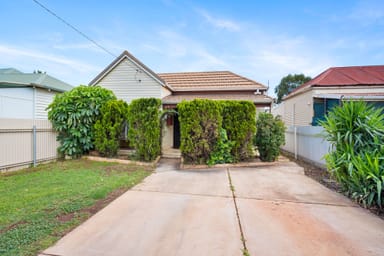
{"x": 144, "y": 128}
{"x": 239, "y": 121}
{"x": 109, "y": 127}
{"x": 200, "y": 123}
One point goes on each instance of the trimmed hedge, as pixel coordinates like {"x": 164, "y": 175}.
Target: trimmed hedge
{"x": 216, "y": 131}
{"x": 144, "y": 129}
{"x": 109, "y": 126}
{"x": 239, "y": 120}
{"x": 200, "y": 123}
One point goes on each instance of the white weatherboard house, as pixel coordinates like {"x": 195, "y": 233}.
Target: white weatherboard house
{"x": 26, "y": 135}
{"x": 27, "y": 95}
{"x": 130, "y": 79}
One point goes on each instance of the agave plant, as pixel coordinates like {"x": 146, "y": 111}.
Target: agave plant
{"x": 356, "y": 133}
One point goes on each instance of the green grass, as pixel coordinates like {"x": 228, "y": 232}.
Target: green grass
{"x": 35, "y": 201}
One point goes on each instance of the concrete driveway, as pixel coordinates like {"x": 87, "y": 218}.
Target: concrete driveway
{"x": 274, "y": 210}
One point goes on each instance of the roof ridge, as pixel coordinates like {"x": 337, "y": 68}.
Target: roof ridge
{"x": 194, "y": 72}
{"x": 41, "y": 77}
{"x": 343, "y": 76}
{"x": 9, "y": 71}
{"x": 309, "y": 83}
{"x": 118, "y": 60}
{"x": 37, "y": 80}
{"x": 357, "y": 66}
{"x": 251, "y": 80}
{"x": 210, "y": 80}
{"x": 341, "y": 71}
{"x": 370, "y": 73}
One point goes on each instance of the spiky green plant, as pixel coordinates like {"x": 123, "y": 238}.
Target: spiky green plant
{"x": 355, "y": 131}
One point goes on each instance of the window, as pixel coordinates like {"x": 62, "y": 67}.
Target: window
{"x": 321, "y": 106}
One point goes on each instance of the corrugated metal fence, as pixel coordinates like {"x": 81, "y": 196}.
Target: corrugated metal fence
{"x": 307, "y": 143}
{"x": 24, "y": 142}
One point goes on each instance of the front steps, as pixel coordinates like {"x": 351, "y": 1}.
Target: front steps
{"x": 171, "y": 153}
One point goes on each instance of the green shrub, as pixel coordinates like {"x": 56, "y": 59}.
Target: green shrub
{"x": 239, "y": 122}
{"x": 109, "y": 126}
{"x": 356, "y": 133}
{"x": 222, "y": 152}
{"x": 144, "y": 128}
{"x": 73, "y": 115}
{"x": 269, "y": 136}
{"x": 200, "y": 122}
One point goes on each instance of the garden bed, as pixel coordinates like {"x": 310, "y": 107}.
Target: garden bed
{"x": 122, "y": 161}
{"x": 253, "y": 163}
{"x": 317, "y": 173}
{"x": 123, "y": 157}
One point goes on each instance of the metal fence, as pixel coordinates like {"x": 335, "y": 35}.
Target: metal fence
{"x": 25, "y": 142}
{"x": 306, "y": 142}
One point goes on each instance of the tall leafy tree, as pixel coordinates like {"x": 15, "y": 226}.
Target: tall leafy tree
{"x": 73, "y": 115}
{"x": 288, "y": 83}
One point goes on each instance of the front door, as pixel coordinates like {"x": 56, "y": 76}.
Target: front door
{"x": 176, "y": 131}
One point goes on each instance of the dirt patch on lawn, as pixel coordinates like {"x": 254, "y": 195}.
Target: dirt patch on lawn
{"x": 65, "y": 217}
{"x": 89, "y": 211}
{"x": 14, "y": 225}
{"x": 100, "y": 204}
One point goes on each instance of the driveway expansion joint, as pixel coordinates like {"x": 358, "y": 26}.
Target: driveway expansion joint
{"x": 298, "y": 202}
{"x": 242, "y": 238}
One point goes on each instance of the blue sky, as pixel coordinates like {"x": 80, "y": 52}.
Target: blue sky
{"x": 262, "y": 40}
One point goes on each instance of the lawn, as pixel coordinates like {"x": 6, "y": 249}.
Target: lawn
{"x": 39, "y": 205}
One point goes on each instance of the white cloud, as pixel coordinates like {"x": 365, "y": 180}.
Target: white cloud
{"x": 220, "y": 23}
{"x": 69, "y": 70}
{"x": 261, "y": 56}
{"x": 192, "y": 53}
{"x": 267, "y": 57}
{"x": 22, "y": 53}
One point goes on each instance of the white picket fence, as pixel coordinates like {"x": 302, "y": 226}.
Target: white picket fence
{"x": 306, "y": 142}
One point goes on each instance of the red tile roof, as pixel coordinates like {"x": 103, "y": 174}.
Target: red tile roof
{"x": 209, "y": 81}
{"x": 345, "y": 76}
{"x": 257, "y": 99}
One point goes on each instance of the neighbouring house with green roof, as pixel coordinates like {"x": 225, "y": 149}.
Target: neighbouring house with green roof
{"x": 27, "y": 95}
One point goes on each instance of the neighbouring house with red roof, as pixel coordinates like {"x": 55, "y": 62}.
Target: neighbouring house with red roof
{"x": 310, "y": 102}
{"x": 130, "y": 79}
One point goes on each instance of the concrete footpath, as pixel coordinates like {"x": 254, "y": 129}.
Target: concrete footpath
{"x": 274, "y": 210}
